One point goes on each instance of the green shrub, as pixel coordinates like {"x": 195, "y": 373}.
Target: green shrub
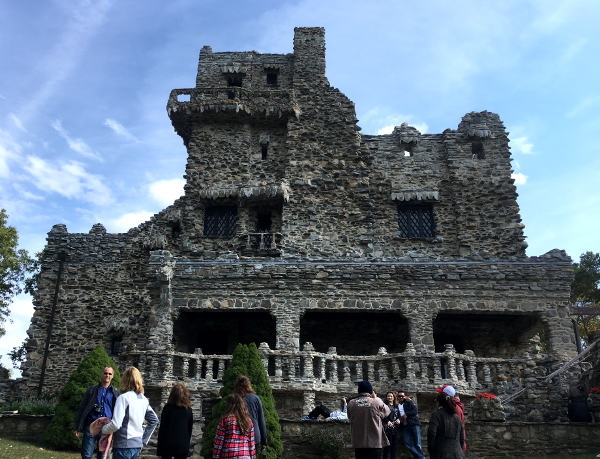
{"x": 246, "y": 361}
{"x": 324, "y": 444}
{"x": 31, "y": 403}
{"x": 59, "y": 433}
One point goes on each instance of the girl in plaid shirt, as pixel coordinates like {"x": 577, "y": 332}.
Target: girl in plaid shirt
{"x": 235, "y": 433}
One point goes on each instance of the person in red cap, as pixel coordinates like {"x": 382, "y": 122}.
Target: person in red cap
{"x": 460, "y": 408}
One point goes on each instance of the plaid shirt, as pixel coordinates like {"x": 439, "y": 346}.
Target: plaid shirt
{"x": 231, "y": 442}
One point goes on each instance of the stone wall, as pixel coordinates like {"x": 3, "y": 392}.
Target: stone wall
{"x": 484, "y": 440}
{"x": 23, "y": 427}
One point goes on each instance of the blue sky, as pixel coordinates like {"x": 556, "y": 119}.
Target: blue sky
{"x": 85, "y": 138}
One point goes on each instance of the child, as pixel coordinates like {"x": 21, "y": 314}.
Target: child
{"x": 176, "y": 422}
{"x": 235, "y": 432}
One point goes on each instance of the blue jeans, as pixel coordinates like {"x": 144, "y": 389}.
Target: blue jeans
{"x": 412, "y": 440}
{"x": 87, "y": 444}
{"x": 125, "y": 453}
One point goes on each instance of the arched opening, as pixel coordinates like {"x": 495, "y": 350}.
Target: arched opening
{"x": 488, "y": 335}
{"x": 219, "y": 332}
{"x": 354, "y": 332}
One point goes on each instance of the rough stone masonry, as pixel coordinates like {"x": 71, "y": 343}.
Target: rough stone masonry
{"x": 397, "y": 257}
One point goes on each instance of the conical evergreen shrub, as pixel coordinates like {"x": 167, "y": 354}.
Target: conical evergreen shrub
{"x": 246, "y": 361}
{"x": 59, "y": 433}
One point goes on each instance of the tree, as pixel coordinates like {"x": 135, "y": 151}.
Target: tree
{"x": 15, "y": 265}
{"x": 246, "y": 361}
{"x": 585, "y": 292}
{"x": 59, "y": 433}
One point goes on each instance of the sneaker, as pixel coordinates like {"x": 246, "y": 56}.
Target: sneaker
{"x": 306, "y": 418}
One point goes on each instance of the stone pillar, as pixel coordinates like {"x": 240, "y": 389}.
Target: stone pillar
{"x": 420, "y": 328}
{"x": 560, "y": 336}
{"x": 160, "y": 331}
{"x": 287, "y": 328}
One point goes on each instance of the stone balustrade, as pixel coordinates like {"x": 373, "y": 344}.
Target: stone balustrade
{"x": 270, "y": 103}
{"x": 329, "y": 372}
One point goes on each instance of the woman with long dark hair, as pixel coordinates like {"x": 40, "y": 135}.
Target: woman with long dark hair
{"x": 445, "y": 435}
{"x": 243, "y": 388}
{"x": 390, "y": 426}
{"x": 176, "y": 422}
{"x": 235, "y": 433}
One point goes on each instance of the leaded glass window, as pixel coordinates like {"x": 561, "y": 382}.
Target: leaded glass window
{"x": 416, "y": 221}
{"x": 219, "y": 221}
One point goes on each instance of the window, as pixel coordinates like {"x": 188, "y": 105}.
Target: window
{"x": 416, "y": 221}
{"x": 115, "y": 345}
{"x": 220, "y": 221}
{"x": 271, "y": 78}
{"x": 264, "y": 148}
{"x": 235, "y": 79}
{"x": 477, "y": 150}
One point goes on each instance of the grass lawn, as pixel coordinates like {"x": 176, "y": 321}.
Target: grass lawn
{"x": 21, "y": 450}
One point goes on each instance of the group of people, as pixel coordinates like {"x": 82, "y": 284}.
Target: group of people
{"x": 377, "y": 424}
{"x": 115, "y": 418}
{"x": 108, "y": 415}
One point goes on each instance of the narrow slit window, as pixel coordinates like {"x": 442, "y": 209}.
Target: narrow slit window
{"x": 415, "y": 221}
{"x": 264, "y": 150}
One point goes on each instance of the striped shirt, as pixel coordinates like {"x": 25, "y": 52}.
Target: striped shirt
{"x": 231, "y": 442}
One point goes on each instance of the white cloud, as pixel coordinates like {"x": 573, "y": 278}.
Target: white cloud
{"x": 582, "y": 106}
{"x": 519, "y": 177}
{"x": 165, "y": 192}
{"x": 17, "y": 122}
{"x": 127, "y": 221}
{"x": 9, "y": 150}
{"x": 77, "y": 145}
{"x": 84, "y": 19}
{"x": 421, "y": 127}
{"x": 21, "y": 311}
{"x": 521, "y": 145}
{"x": 387, "y": 120}
{"x": 120, "y": 130}
{"x": 70, "y": 180}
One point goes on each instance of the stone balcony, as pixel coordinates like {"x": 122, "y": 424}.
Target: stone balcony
{"x": 260, "y": 244}
{"x": 308, "y": 370}
{"x": 232, "y": 101}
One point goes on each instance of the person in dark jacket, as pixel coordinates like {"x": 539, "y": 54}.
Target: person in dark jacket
{"x": 445, "y": 435}
{"x": 390, "y": 426}
{"x": 460, "y": 408}
{"x": 243, "y": 388}
{"x": 412, "y": 426}
{"x": 176, "y": 422}
{"x": 98, "y": 401}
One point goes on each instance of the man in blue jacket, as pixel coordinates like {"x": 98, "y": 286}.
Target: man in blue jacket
{"x": 412, "y": 426}
{"x": 99, "y": 400}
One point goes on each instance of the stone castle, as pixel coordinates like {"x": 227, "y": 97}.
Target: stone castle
{"x": 399, "y": 258}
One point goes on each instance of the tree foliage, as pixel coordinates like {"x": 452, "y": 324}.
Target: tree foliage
{"x": 585, "y": 292}
{"x": 246, "y": 361}
{"x": 15, "y": 264}
{"x": 59, "y": 433}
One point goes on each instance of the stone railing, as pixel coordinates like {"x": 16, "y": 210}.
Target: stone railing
{"x": 311, "y": 370}
{"x": 267, "y": 243}
{"x": 270, "y": 103}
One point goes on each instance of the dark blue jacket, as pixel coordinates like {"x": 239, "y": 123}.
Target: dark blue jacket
{"x": 411, "y": 412}
{"x": 87, "y": 403}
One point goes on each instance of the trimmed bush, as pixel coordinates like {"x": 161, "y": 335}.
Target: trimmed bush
{"x": 59, "y": 433}
{"x": 246, "y": 361}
